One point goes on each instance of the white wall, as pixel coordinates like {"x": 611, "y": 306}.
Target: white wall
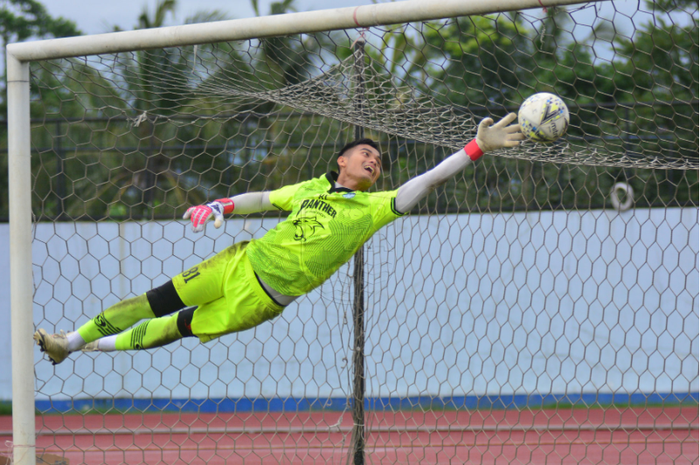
{"x": 546, "y": 302}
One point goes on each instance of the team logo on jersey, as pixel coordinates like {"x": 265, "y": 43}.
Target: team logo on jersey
{"x": 349, "y": 195}
{"x": 306, "y": 227}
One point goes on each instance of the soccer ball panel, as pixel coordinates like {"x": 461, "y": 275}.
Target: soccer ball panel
{"x": 543, "y": 117}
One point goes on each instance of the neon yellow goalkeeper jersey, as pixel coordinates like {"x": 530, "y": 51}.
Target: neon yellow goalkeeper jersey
{"x": 325, "y": 228}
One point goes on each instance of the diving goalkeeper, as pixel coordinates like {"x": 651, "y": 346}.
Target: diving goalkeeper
{"x": 331, "y": 217}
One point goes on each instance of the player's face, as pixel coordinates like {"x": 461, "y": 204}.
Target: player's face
{"x": 360, "y": 167}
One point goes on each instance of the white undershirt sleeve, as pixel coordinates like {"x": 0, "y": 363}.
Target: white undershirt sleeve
{"x": 410, "y": 193}
{"x": 252, "y": 202}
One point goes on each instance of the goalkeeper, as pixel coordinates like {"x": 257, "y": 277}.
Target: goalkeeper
{"x": 250, "y": 282}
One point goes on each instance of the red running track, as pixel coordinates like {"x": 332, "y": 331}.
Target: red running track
{"x": 656, "y": 436}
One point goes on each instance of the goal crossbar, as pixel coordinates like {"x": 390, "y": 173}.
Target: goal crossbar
{"x": 19, "y": 149}
{"x": 268, "y": 26}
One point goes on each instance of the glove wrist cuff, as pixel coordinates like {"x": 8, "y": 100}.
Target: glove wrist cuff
{"x": 473, "y": 150}
{"x": 227, "y": 204}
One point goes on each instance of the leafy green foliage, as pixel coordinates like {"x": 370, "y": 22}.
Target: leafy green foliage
{"x": 24, "y": 19}
{"x": 144, "y": 134}
{"x": 28, "y": 19}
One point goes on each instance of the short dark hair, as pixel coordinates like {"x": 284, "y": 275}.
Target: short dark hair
{"x": 355, "y": 143}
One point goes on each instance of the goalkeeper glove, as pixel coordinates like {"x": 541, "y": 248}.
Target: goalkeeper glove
{"x": 491, "y": 136}
{"x": 200, "y": 214}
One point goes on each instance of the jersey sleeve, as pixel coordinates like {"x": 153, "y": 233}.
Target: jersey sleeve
{"x": 283, "y": 198}
{"x": 384, "y": 208}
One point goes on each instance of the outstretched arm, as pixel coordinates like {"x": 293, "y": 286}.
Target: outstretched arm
{"x": 489, "y": 137}
{"x": 242, "y": 204}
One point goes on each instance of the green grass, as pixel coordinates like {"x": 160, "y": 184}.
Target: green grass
{"x": 5, "y": 407}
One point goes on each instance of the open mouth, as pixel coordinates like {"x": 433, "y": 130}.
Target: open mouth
{"x": 369, "y": 169}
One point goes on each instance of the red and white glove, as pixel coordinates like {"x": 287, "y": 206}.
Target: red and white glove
{"x": 200, "y": 214}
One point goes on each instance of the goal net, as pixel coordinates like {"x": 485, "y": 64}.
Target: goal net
{"x": 540, "y": 307}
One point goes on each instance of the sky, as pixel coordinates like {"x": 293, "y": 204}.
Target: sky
{"x": 124, "y": 13}
{"x": 92, "y": 19}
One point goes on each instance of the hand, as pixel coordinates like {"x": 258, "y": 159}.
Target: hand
{"x": 491, "y": 136}
{"x": 200, "y": 214}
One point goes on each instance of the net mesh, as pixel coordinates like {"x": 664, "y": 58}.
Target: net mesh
{"x": 540, "y": 307}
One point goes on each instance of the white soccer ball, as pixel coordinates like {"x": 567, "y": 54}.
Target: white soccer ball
{"x": 543, "y": 117}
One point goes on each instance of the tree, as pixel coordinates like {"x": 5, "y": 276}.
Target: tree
{"x": 285, "y": 60}
{"x": 657, "y": 78}
{"x": 28, "y": 19}
{"x": 21, "y": 20}
{"x": 129, "y": 99}
{"x": 196, "y": 128}
{"x": 24, "y": 19}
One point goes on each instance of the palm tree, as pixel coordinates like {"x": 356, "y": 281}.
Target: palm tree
{"x": 147, "y": 97}
{"x": 287, "y": 60}
{"x": 166, "y": 107}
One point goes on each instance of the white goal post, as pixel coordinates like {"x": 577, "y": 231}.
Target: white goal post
{"x": 19, "y": 57}
{"x": 19, "y": 150}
